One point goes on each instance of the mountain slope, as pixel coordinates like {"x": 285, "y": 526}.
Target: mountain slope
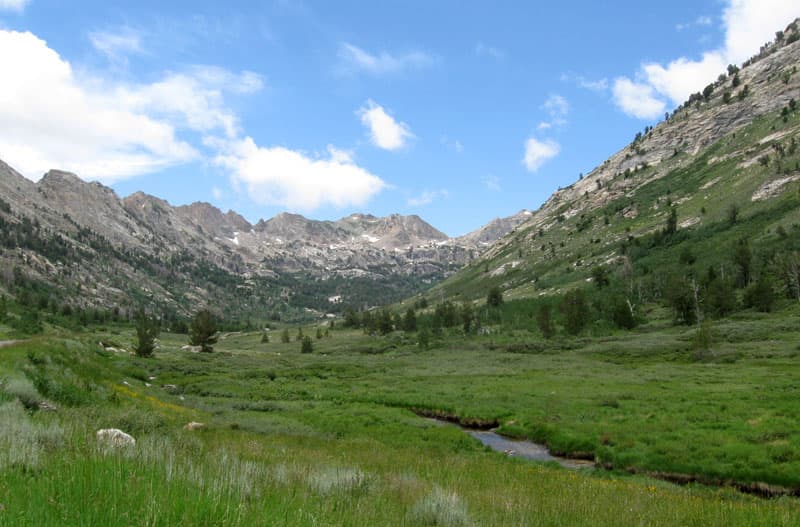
{"x": 64, "y": 241}
{"x": 735, "y": 147}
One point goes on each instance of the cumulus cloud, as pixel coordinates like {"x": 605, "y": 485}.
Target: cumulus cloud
{"x": 53, "y": 120}
{"x": 280, "y": 176}
{"x": 637, "y": 99}
{"x": 748, "y": 24}
{"x": 55, "y": 117}
{"x": 13, "y": 5}
{"x": 194, "y": 99}
{"x": 385, "y": 131}
{"x": 427, "y": 197}
{"x": 354, "y": 59}
{"x": 538, "y": 152}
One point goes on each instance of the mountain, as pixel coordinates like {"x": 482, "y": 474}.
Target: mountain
{"x": 64, "y": 241}
{"x": 496, "y": 229}
{"x": 726, "y": 162}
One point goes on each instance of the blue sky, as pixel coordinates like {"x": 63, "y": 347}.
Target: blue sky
{"x": 457, "y": 111}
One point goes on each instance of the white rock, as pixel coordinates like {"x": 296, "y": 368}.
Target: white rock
{"x": 115, "y": 437}
{"x": 194, "y": 425}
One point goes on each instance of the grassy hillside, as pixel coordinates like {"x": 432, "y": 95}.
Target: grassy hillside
{"x": 755, "y": 169}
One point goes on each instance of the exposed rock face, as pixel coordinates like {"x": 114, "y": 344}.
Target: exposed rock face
{"x": 496, "y": 229}
{"x": 115, "y": 437}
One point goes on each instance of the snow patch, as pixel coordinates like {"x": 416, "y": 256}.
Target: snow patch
{"x": 370, "y": 239}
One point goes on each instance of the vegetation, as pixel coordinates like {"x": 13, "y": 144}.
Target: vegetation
{"x": 147, "y": 330}
{"x": 203, "y": 331}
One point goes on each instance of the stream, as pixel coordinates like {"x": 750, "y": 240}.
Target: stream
{"x": 524, "y": 449}
{"x": 517, "y": 447}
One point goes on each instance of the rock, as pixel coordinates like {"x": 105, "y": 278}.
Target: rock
{"x": 47, "y": 406}
{"x": 115, "y": 437}
{"x": 194, "y": 425}
{"x": 170, "y": 387}
{"x": 192, "y": 349}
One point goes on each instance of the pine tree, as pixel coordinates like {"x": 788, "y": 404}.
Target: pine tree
{"x": 306, "y": 345}
{"x": 203, "y": 331}
{"x": 147, "y": 330}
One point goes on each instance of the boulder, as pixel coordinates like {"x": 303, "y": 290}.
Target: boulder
{"x": 192, "y": 349}
{"x": 115, "y": 437}
{"x": 194, "y": 425}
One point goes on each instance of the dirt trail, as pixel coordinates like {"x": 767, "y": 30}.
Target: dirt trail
{"x": 4, "y": 343}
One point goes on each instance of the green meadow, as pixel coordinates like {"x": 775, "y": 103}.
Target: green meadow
{"x": 333, "y": 437}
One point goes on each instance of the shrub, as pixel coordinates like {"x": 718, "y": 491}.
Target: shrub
{"x": 306, "y": 345}
{"x": 24, "y": 391}
{"x": 544, "y": 320}
{"x": 495, "y": 297}
{"x": 622, "y": 314}
{"x": 760, "y": 295}
{"x": 439, "y": 508}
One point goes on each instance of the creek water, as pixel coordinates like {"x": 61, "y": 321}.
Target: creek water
{"x": 524, "y": 449}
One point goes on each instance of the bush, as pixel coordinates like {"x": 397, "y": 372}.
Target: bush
{"x": 306, "y": 345}
{"x": 24, "y": 391}
{"x": 544, "y": 320}
{"x": 439, "y": 508}
{"x": 761, "y": 294}
{"x": 622, "y": 314}
{"x": 495, "y": 297}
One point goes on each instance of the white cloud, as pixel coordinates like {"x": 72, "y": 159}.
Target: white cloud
{"x": 599, "y": 85}
{"x": 117, "y": 45}
{"x": 682, "y": 77}
{"x": 637, "y": 99}
{"x": 353, "y": 59}
{"x": 700, "y": 21}
{"x": 557, "y": 107}
{"x": 751, "y": 23}
{"x": 427, "y": 197}
{"x": 216, "y": 192}
{"x": 57, "y": 117}
{"x": 537, "y": 152}
{"x": 52, "y": 120}
{"x": 748, "y": 24}
{"x": 193, "y": 99}
{"x": 279, "y": 176}
{"x": 492, "y": 182}
{"x": 385, "y": 131}
{"x": 483, "y": 50}
{"x": 13, "y": 5}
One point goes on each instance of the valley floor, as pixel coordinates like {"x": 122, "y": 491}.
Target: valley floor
{"x": 332, "y": 437}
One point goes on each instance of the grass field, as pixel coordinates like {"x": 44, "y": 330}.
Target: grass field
{"x": 329, "y": 438}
